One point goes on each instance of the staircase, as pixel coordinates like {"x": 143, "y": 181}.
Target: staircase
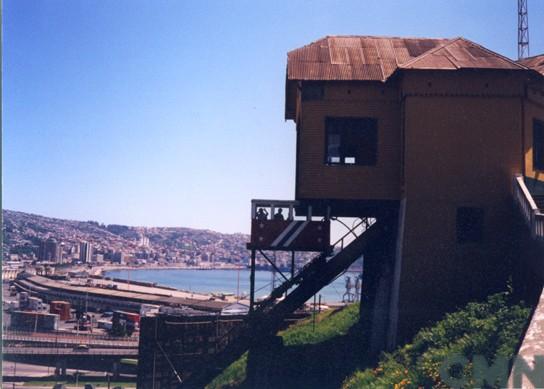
{"x": 270, "y": 315}
{"x": 531, "y": 207}
{"x": 539, "y": 202}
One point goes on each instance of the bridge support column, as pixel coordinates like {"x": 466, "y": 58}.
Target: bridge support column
{"x": 60, "y": 368}
{"x": 115, "y": 370}
{"x": 377, "y": 283}
{"x": 252, "y": 282}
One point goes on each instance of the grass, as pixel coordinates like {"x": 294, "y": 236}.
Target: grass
{"x": 325, "y": 355}
{"x": 232, "y": 376}
{"x": 329, "y": 325}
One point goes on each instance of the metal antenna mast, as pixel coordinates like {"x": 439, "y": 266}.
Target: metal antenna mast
{"x": 523, "y": 30}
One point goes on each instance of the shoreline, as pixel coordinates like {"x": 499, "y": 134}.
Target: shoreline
{"x": 100, "y": 270}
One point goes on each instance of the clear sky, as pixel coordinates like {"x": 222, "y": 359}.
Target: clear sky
{"x": 170, "y": 113}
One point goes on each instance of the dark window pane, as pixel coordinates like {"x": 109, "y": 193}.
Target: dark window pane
{"x": 312, "y": 91}
{"x": 351, "y": 141}
{"x": 470, "y": 224}
{"x": 538, "y": 145}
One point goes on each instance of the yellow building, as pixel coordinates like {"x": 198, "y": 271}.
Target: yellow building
{"x": 436, "y": 146}
{"x": 433, "y": 132}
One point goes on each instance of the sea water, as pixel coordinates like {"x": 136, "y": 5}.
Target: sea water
{"x": 226, "y": 281}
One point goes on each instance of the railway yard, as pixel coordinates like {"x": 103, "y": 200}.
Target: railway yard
{"x": 86, "y": 325}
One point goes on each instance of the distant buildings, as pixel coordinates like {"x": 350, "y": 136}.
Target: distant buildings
{"x": 144, "y": 241}
{"x": 50, "y": 251}
{"x": 119, "y": 257}
{"x": 24, "y": 234}
{"x": 85, "y": 252}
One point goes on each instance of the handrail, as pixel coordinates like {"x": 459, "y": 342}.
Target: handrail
{"x": 351, "y": 231}
{"x": 267, "y": 318}
{"x": 315, "y": 262}
{"x": 527, "y": 194}
{"x": 534, "y": 218}
{"x": 272, "y": 205}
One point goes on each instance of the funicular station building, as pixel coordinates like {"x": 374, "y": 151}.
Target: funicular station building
{"x": 437, "y": 147}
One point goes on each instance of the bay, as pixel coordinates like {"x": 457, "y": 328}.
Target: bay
{"x": 226, "y": 281}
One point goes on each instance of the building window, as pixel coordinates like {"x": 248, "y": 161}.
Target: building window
{"x": 538, "y": 145}
{"x": 312, "y": 91}
{"x": 470, "y": 225}
{"x": 351, "y": 141}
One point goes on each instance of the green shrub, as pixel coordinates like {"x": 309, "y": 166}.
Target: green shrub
{"x": 491, "y": 329}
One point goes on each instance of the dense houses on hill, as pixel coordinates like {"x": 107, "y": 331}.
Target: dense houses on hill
{"x": 29, "y": 237}
{"x": 39, "y": 238}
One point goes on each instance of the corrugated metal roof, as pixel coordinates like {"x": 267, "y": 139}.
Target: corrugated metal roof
{"x": 377, "y": 58}
{"x": 461, "y": 53}
{"x": 535, "y": 63}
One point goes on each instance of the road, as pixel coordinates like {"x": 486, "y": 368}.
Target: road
{"x": 10, "y": 369}
{"x": 53, "y": 351}
{"x": 10, "y": 337}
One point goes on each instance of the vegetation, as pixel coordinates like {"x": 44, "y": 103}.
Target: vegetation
{"x": 323, "y": 355}
{"x": 329, "y": 325}
{"x": 232, "y": 376}
{"x": 491, "y": 330}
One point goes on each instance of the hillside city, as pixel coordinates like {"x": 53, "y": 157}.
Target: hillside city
{"x": 29, "y": 237}
{"x": 34, "y": 239}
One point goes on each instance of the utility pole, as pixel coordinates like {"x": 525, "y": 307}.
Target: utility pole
{"x": 523, "y": 30}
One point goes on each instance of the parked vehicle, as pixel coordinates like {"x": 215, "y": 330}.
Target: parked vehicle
{"x": 81, "y": 347}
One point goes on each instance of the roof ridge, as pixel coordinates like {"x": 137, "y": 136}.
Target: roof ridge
{"x": 327, "y": 37}
{"x": 385, "y": 37}
{"x": 429, "y": 52}
{"x": 381, "y": 61}
{"x": 495, "y": 53}
{"x": 308, "y": 44}
{"x": 460, "y": 38}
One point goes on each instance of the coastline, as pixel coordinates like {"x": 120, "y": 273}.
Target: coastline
{"x": 101, "y": 269}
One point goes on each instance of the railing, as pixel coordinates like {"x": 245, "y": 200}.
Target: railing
{"x": 315, "y": 264}
{"x": 365, "y": 223}
{"x": 270, "y": 313}
{"x": 269, "y": 207}
{"x": 63, "y": 334}
{"x": 538, "y": 225}
{"x": 533, "y": 217}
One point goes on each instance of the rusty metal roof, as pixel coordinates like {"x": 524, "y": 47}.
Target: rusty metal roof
{"x": 460, "y": 53}
{"x": 377, "y": 58}
{"x": 535, "y": 63}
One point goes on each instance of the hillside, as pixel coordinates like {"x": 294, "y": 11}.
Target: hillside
{"x": 330, "y": 356}
{"x": 23, "y": 232}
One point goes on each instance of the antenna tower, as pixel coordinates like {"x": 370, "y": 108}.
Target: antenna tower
{"x": 523, "y": 30}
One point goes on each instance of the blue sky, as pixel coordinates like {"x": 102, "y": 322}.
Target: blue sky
{"x": 170, "y": 113}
